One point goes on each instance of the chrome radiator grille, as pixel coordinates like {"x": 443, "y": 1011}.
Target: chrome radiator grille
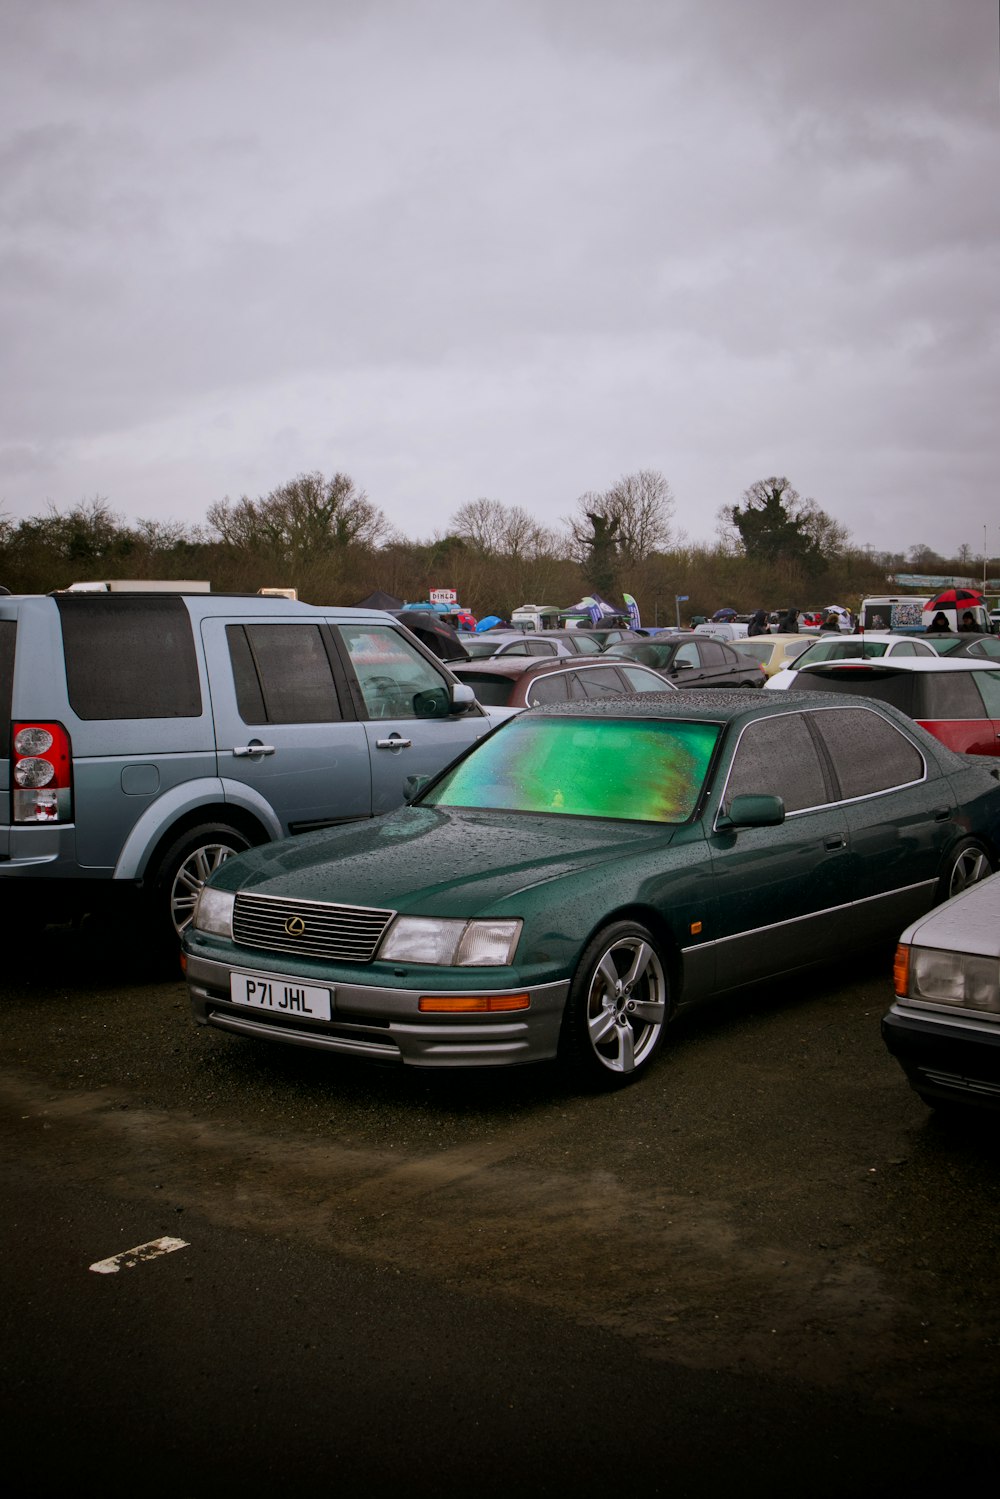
{"x": 309, "y": 928}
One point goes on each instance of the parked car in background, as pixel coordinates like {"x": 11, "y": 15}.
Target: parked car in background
{"x": 730, "y": 629}
{"x": 523, "y": 682}
{"x": 774, "y": 652}
{"x": 956, "y": 701}
{"x": 850, "y": 648}
{"x": 978, "y": 647}
{"x": 587, "y": 872}
{"x": 692, "y": 660}
{"x": 944, "y": 1027}
{"x": 547, "y": 643}
{"x": 146, "y": 736}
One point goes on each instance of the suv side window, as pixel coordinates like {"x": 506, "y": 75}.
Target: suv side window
{"x": 988, "y": 683}
{"x": 129, "y": 657}
{"x": 868, "y": 753}
{"x": 777, "y": 757}
{"x": 282, "y": 674}
{"x": 950, "y": 694}
{"x": 396, "y": 681}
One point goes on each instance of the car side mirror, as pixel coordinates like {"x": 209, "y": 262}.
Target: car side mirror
{"x": 463, "y": 697}
{"x": 756, "y": 811}
{"x": 413, "y": 785}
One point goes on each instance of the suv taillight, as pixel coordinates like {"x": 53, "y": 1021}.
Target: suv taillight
{"x": 41, "y": 773}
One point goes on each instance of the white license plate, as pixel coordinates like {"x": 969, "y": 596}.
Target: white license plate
{"x": 279, "y": 996}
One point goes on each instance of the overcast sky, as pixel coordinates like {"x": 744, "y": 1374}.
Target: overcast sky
{"x": 504, "y": 248}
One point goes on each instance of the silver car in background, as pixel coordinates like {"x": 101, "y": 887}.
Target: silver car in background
{"x": 944, "y": 1028}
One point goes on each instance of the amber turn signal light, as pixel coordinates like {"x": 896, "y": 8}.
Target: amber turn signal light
{"x": 465, "y": 1004}
{"x": 901, "y": 970}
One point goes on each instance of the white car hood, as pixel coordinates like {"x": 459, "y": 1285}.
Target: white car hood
{"x": 968, "y": 923}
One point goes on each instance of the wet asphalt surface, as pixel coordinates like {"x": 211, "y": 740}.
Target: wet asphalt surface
{"x": 767, "y": 1266}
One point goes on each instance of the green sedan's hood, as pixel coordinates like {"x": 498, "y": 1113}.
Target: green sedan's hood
{"x": 437, "y": 861}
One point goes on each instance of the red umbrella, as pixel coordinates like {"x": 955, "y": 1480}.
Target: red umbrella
{"x": 951, "y": 597}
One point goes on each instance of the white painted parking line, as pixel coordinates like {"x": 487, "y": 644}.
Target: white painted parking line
{"x": 131, "y": 1257}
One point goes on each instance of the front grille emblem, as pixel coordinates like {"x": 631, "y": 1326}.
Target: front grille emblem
{"x": 295, "y": 926}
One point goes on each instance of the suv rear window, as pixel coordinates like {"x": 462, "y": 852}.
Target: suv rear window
{"x": 129, "y": 657}
{"x": 8, "y": 633}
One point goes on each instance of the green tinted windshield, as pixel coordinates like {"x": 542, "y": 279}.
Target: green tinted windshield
{"x": 645, "y": 770}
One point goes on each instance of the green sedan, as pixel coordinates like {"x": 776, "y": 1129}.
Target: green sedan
{"x": 587, "y": 871}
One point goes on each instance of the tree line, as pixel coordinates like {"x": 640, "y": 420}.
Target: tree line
{"x": 326, "y": 538}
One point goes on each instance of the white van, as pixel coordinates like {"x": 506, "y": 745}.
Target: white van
{"x": 721, "y": 630}
{"x": 905, "y": 613}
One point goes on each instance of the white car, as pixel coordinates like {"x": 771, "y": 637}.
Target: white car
{"x": 944, "y": 1028}
{"x": 831, "y": 647}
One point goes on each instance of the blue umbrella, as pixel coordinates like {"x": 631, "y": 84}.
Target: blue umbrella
{"x": 726, "y": 613}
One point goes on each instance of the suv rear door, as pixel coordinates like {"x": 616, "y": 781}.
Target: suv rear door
{"x": 285, "y": 720}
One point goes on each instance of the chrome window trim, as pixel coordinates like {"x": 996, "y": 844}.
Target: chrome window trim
{"x": 845, "y": 801}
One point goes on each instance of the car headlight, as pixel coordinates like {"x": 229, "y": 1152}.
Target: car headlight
{"x": 955, "y": 978}
{"x": 451, "y": 944}
{"x": 214, "y": 912}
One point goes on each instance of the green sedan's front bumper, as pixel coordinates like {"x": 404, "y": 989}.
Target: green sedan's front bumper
{"x": 384, "y": 1023}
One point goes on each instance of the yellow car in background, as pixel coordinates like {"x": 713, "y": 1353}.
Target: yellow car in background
{"x": 774, "y": 652}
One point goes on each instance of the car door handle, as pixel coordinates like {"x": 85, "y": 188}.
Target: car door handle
{"x": 247, "y": 751}
{"x": 396, "y": 742}
{"x": 837, "y": 841}
{"x": 941, "y": 814}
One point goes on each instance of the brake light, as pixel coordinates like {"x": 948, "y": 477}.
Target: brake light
{"x": 41, "y": 773}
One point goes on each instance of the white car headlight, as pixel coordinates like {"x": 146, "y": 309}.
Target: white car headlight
{"x": 955, "y": 978}
{"x": 214, "y": 912}
{"x": 451, "y": 944}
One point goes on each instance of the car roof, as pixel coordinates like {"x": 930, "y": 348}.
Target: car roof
{"x": 712, "y": 705}
{"x": 518, "y": 666}
{"x": 903, "y": 663}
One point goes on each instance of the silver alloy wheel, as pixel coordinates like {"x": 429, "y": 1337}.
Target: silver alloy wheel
{"x": 971, "y": 865}
{"x": 191, "y": 874}
{"x": 626, "y": 1004}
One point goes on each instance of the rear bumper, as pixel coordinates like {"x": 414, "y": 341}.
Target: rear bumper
{"x": 951, "y": 1060}
{"x": 383, "y": 1024}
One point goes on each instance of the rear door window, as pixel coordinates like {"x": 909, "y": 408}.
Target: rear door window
{"x": 553, "y": 687}
{"x": 129, "y": 657}
{"x": 868, "y": 753}
{"x": 283, "y": 674}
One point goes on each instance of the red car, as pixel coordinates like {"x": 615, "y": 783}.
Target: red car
{"x": 958, "y": 701}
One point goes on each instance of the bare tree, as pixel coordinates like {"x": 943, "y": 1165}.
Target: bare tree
{"x": 637, "y": 511}
{"x": 498, "y": 530}
{"x": 307, "y": 517}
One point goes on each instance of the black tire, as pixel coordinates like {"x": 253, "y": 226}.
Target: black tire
{"x": 967, "y": 864}
{"x": 183, "y": 870}
{"x": 617, "y": 1007}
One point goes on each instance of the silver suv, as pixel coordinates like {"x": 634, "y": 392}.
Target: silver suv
{"x": 145, "y": 737}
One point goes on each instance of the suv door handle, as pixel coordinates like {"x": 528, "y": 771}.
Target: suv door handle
{"x": 837, "y": 840}
{"x": 396, "y": 742}
{"x": 247, "y": 751}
